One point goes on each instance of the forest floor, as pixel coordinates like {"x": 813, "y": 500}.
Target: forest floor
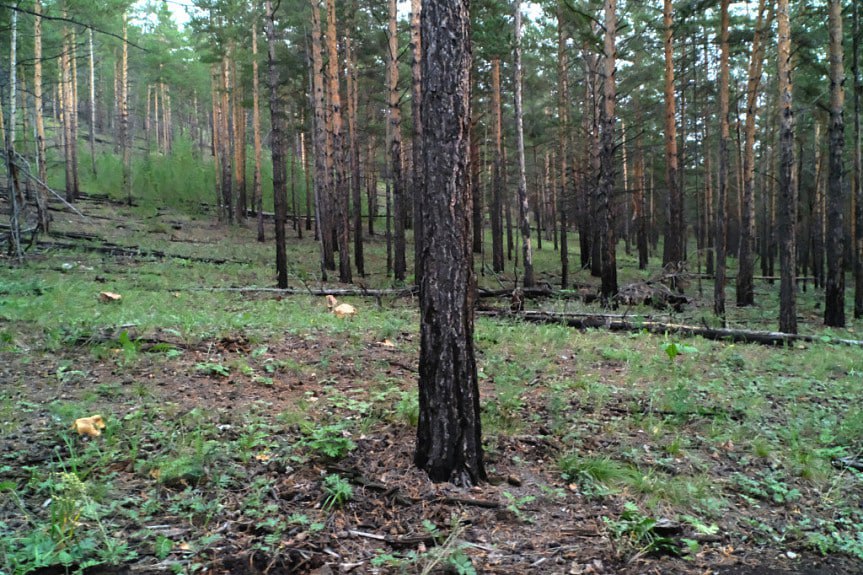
{"x": 253, "y": 432}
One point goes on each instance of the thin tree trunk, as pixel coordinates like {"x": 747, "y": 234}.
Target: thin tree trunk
{"x": 354, "y": 151}
{"x": 92, "y": 102}
{"x": 277, "y": 146}
{"x": 395, "y": 145}
{"x": 42, "y": 194}
{"x": 834, "y": 307}
{"x": 787, "y": 189}
{"x": 125, "y": 128}
{"x": 673, "y": 249}
{"x": 226, "y": 139}
{"x": 607, "y": 176}
{"x": 497, "y": 258}
{"x": 417, "y": 141}
{"x": 73, "y": 106}
{"x": 449, "y": 440}
{"x": 722, "y": 190}
{"x": 523, "y": 206}
{"x": 15, "y": 202}
{"x": 257, "y": 193}
{"x": 746, "y": 262}
{"x": 638, "y": 200}
{"x": 708, "y": 177}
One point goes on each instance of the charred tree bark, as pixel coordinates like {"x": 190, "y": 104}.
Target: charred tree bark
{"x": 323, "y": 177}
{"x": 277, "y": 146}
{"x": 606, "y": 173}
{"x": 563, "y": 141}
{"x": 449, "y": 443}
{"x": 858, "y": 169}
{"x": 834, "y": 295}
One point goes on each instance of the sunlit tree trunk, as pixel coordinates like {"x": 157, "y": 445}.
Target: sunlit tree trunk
{"x": 746, "y": 261}
{"x": 834, "y": 307}
{"x": 523, "y": 207}
{"x": 787, "y": 190}
{"x": 722, "y": 190}
{"x": 226, "y": 140}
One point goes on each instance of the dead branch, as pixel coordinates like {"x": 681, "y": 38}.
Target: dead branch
{"x": 615, "y": 323}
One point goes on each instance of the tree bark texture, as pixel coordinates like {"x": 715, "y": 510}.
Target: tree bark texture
{"x": 563, "y": 141}
{"x": 858, "y": 167}
{"x": 449, "y": 445}
{"x": 340, "y": 192}
{"x": 416, "y": 148}
{"x": 722, "y": 187}
{"x": 523, "y": 206}
{"x": 787, "y": 188}
{"x": 746, "y": 260}
{"x": 673, "y": 252}
{"x": 395, "y": 144}
{"x": 834, "y": 295}
{"x": 606, "y": 172}
{"x": 497, "y": 259}
{"x": 323, "y": 170}
{"x": 278, "y": 149}
{"x": 257, "y": 195}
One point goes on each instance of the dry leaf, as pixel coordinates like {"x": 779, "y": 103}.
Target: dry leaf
{"x": 107, "y": 296}
{"x": 90, "y": 426}
{"x": 386, "y": 343}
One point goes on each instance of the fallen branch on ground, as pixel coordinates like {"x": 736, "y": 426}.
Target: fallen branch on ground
{"x": 614, "y": 323}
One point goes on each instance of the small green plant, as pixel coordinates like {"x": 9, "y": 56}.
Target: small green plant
{"x": 338, "y": 491}
{"x": 330, "y": 441}
{"x": 515, "y": 505}
{"x": 635, "y": 533}
{"x": 672, "y": 349}
{"x": 211, "y": 368}
{"x": 408, "y": 408}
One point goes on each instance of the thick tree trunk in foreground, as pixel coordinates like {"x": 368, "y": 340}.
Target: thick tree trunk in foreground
{"x": 339, "y": 190}
{"x": 834, "y": 295}
{"x": 787, "y": 189}
{"x": 722, "y": 188}
{"x": 858, "y": 170}
{"x": 278, "y": 149}
{"x": 606, "y": 172}
{"x": 523, "y": 207}
{"x": 323, "y": 180}
{"x": 449, "y": 444}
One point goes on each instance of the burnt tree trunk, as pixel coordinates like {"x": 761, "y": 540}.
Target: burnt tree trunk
{"x": 278, "y": 150}
{"x": 449, "y": 445}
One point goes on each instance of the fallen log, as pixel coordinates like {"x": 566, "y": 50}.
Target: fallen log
{"x": 116, "y": 250}
{"x": 615, "y": 323}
